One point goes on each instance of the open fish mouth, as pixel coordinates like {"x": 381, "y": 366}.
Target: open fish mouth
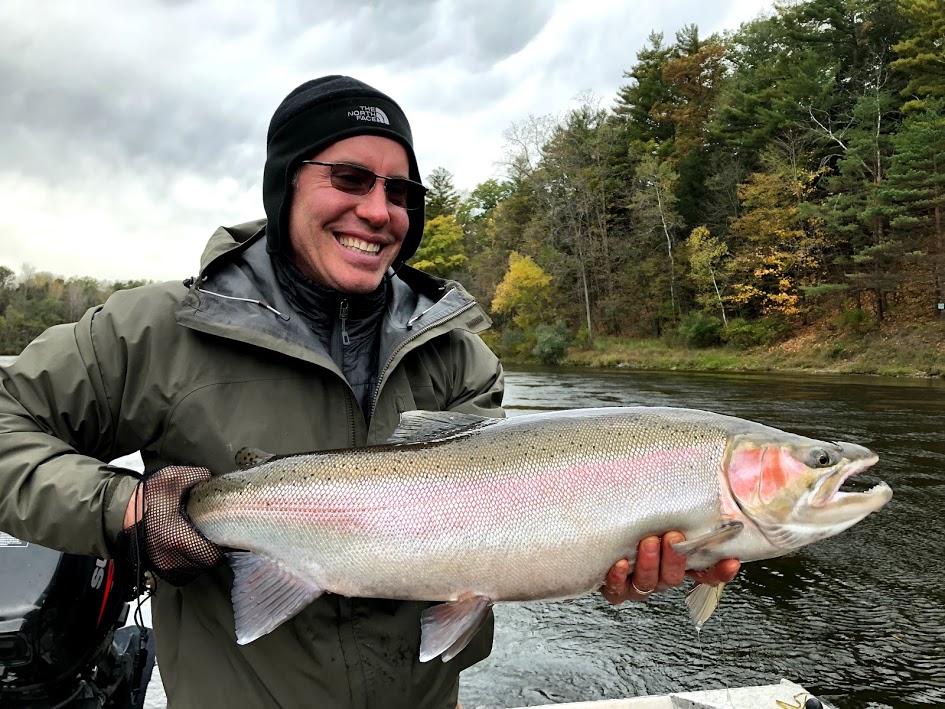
{"x": 828, "y": 493}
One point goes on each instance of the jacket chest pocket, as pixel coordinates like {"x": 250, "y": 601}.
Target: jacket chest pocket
{"x": 409, "y": 388}
{"x": 209, "y": 424}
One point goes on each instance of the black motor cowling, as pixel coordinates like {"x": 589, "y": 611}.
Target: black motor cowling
{"x": 58, "y": 619}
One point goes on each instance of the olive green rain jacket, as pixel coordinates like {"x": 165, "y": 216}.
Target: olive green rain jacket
{"x": 189, "y": 375}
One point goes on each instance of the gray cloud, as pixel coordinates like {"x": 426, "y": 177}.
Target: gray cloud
{"x": 133, "y": 129}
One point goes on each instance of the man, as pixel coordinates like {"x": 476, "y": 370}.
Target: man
{"x": 303, "y": 331}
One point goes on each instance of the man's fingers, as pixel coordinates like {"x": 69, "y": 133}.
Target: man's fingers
{"x": 657, "y": 568}
{"x": 723, "y": 572}
{"x": 617, "y": 576}
{"x": 646, "y": 571}
{"x": 672, "y": 565}
{"x": 615, "y": 585}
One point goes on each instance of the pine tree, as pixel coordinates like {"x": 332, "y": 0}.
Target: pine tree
{"x": 922, "y": 52}
{"x": 914, "y": 191}
{"x": 442, "y": 197}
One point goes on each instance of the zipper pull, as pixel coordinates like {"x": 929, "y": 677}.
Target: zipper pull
{"x": 343, "y": 316}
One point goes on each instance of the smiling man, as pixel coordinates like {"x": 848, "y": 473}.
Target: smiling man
{"x": 342, "y": 237}
{"x": 303, "y": 331}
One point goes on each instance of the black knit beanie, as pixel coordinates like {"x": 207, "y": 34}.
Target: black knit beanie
{"x": 315, "y": 115}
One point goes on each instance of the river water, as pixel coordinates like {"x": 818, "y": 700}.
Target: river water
{"x": 858, "y": 619}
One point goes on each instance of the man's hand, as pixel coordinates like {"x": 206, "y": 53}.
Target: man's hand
{"x": 158, "y": 531}
{"x": 658, "y": 568}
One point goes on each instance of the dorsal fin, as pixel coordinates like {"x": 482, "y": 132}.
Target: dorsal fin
{"x": 421, "y": 426}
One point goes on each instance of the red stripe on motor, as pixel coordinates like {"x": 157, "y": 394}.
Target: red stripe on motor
{"x": 108, "y": 588}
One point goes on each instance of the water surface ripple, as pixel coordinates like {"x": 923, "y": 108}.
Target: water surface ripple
{"x": 858, "y": 619}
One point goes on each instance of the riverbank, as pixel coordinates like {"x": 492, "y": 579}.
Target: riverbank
{"x": 907, "y": 350}
{"x": 896, "y": 350}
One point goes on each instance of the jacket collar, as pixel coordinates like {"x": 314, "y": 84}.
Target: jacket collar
{"x": 237, "y": 296}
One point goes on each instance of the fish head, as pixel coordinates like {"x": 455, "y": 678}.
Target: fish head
{"x": 789, "y": 486}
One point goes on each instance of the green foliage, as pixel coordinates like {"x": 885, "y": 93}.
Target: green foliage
{"x": 913, "y": 195}
{"x": 700, "y": 330}
{"x": 39, "y": 300}
{"x": 653, "y": 206}
{"x": 513, "y": 343}
{"x": 637, "y": 101}
{"x": 745, "y": 334}
{"x": 824, "y": 289}
{"x": 551, "y": 342}
{"x": 706, "y": 254}
{"x": 482, "y": 200}
{"x": 856, "y": 321}
{"x": 921, "y": 53}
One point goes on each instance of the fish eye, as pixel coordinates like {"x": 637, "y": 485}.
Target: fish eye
{"x": 820, "y": 458}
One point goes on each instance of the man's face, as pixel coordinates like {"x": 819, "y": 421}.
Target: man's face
{"x": 342, "y": 241}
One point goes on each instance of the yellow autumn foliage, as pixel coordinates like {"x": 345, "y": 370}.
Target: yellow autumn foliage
{"x": 524, "y": 293}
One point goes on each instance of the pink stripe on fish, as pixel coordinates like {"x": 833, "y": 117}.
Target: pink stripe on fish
{"x": 421, "y": 507}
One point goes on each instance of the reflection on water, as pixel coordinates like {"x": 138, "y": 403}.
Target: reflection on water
{"x": 858, "y": 619}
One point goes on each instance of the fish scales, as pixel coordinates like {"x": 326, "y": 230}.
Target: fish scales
{"x": 526, "y": 510}
{"x": 472, "y": 511}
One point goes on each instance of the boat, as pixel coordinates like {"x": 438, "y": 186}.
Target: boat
{"x": 784, "y": 695}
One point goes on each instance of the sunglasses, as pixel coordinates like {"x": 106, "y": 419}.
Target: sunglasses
{"x": 354, "y": 179}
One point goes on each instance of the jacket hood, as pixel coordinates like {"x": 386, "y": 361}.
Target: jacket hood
{"x": 226, "y": 240}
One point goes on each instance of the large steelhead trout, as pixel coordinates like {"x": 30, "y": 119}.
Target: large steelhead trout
{"x": 472, "y": 511}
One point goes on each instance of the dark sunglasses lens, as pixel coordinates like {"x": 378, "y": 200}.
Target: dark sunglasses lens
{"x": 358, "y": 180}
{"x": 401, "y": 193}
{"x": 352, "y": 179}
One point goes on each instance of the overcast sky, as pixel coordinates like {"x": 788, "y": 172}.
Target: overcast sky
{"x": 130, "y": 130}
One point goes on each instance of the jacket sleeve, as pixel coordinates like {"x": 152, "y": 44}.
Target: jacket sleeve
{"x": 60, "y": 404}
{"x": 478, "y": 380}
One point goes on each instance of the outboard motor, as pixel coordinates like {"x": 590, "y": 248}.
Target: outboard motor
{"x": 61, "y": 640}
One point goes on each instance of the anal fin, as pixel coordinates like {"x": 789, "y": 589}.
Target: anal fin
{"x": 447, "y": 628}
{"x": 702, "y": 601}
{"x": 265, "y": 596}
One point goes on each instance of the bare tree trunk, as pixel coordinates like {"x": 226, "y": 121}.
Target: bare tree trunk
{"x": 582, "y": 267}
{"x": 719, "y": 296}
{"x": 669, "y": 249}
{"x": 587, "y": 308}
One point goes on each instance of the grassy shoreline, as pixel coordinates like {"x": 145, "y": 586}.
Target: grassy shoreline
{"x": 912, "y": 350}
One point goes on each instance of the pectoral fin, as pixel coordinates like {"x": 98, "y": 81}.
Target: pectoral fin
{"x": 447, "y": 628}
{"x": 722, "y": 533}
{"x": 265, "y": 596}
{"x": 702, "y": 601}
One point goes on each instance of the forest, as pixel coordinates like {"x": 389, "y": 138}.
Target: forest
{"x": 743, "y": 187}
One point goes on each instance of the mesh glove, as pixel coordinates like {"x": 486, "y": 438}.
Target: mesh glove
{"x": 164, "y": 541}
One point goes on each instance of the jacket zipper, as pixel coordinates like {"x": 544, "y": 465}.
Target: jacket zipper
{"x": 343, "y": 316}
{"x": 406, "y": 341}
